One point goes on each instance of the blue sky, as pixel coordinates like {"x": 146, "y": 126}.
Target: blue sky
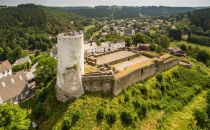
{"x": 181, "y": 3}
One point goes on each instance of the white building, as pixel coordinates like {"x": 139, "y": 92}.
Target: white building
{"x": 129, "y": 32}
{"x": 92, "y": 48}
{"x": 70, "y": 49}
{"x": 5, "y": 69}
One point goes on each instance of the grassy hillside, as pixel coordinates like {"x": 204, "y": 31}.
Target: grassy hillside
{"x": 174, "y": 44}
{"x": 165, "y": 101}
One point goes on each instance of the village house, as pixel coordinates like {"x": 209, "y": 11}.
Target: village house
{"x": 129, "y": 31}
{"x": 5, "y": 68}
{"x": 92, "y": 48}
{"x": 13, "y": 88}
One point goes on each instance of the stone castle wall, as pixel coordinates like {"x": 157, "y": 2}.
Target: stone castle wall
{"x": 134, "y": 77}
{"x": 98, "y": 83}
{"x": 110, "y": 84}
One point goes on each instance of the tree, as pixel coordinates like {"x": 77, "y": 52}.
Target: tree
{"x": 208, "y": 104}
{"x": 159, "y": 49}
{"x": 175, "y": 34}
{"x": 203, "y": 56}
{"x": 163, "y": 41}
{"x": 201, "y": 118}
{"x": 46, "y": 69}
{"x": 66, "y": 124}
{"x": 126, "y": 118}
{"x": 111, "y": 118}
{"x": 183, "y": 47}
{"x": 39, "y": 110}
{"x": 13, "y": 118}
{"x": 99, "y": 115}
{"x": 141, "y": 38}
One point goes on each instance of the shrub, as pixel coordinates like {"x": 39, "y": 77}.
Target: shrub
{"x": 159, "y": 49}
{"x": 136, "y": 104}
{"x": 142, "y": 111}
{"x": 66, "y": 125}
{"x": 111, "y": 118}
{"x": 201, "y": 118}
{"x": 100, "y": 115}
{"x": 38, "y": 110}
{"x": 126, "y": 118}
{"x": 74, "y": 118}
{"x": 159, "y": 77}
{"x": 143, "y": 90}
{"x": 126, "y": 98}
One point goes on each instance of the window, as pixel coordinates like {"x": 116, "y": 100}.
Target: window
{"x": 142, "y": 71}
{"x": 12, "y": 80}
{"x": 3, "y": 84}
{"x": 20, "y": 77}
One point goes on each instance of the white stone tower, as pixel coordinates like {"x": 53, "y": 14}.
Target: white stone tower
{"x": 70, "y": 65}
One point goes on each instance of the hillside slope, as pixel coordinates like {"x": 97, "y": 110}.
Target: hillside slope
{"x": 31, "y": 27}
{"x": 151, "y": 104}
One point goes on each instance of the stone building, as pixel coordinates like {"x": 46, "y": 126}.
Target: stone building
{"x": 129, "y": 31}
{"x": 92, "y": 48}
{"x": 70, "y": 50}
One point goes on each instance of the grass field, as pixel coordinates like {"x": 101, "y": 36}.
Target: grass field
{"x": 174, "y": 44}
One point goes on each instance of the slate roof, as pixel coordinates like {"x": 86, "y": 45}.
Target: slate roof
{"x": 12, "y": 86}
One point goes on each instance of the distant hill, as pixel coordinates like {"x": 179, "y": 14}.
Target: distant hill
{"x": 48, "y": 19}
{"x": 201, "y": 18}
{"x": 126, "y": 11}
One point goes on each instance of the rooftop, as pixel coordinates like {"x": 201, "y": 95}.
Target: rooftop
{"x": 70, "y": 34}
{"x": 121, "y": 66}
{"x": 5, "y": 65}
{"x": 133, "y": 68}
{"x": 12, "y": 86}
{"x": 105, "y": 59}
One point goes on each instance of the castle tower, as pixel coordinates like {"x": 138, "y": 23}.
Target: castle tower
{"x": 70, "y": 65}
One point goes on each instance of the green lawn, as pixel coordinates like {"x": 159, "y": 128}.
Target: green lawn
{"x": 86, "y": 28}
{"x": 174, "y": 44}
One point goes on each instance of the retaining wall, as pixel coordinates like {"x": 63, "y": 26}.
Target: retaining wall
{"x": 98, "y": 83}
{"x": 107, "y": 83}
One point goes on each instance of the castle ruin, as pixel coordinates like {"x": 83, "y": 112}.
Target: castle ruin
{"x": 107, "y": 72}
{"x": 70, "y": 49}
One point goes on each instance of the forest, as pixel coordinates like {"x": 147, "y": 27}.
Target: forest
{"x": 120, "y": 12}
{"x": 31, "y": 27}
